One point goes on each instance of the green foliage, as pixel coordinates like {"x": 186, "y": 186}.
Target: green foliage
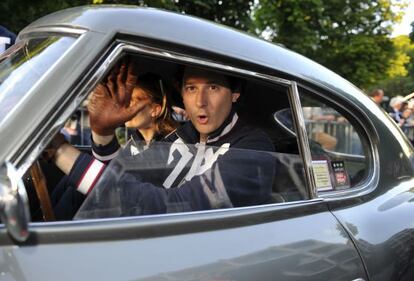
{"x": 235, "y": 13}
{"x": 403, "y": 47}
{"x": 401, "y": 83}
{"x": 22, "y": 12}
{"x": 349, "y": 37}
{"x": 411, "y": 64}
{"x": 397, "y": 86}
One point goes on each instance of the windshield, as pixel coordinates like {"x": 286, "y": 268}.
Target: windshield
{"x": 177, "y": 177}
{"x": 22, "y": 65}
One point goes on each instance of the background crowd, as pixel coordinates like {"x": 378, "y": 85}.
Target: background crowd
{"x": 399, "y": 108}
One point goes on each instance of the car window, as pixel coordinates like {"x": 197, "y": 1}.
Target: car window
{"x": 213, "y": 178}
{"x": 226, "y": 177}
{"x": 339, "y": 157}
{"x": 77, "y": 130}
{"x": 22, "y": 65}
{"x": 199, "y": 176}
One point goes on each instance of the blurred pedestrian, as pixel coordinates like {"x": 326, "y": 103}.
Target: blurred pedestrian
{"x": 377, "y": 96}
{"x": 396, "y": 104}
{"x": 7, "y": 38}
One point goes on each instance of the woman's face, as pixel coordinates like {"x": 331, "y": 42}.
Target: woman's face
{"x": 145, "y": 118}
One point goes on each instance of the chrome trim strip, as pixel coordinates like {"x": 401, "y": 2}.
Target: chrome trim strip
{"x": 197, "y": 61}
{"x": 77, "y": 31}
{"x": 141, "y": 227}
{"x": 303, "y": 140}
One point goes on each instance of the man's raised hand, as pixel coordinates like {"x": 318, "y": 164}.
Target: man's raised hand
{"x": 110, "y": 103}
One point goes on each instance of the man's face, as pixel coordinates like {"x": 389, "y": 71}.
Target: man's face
{"x": 207, "y": 99}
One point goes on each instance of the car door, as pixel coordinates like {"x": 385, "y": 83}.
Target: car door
{"x": 294, "y": 237}
{"x": 372, "y": 198}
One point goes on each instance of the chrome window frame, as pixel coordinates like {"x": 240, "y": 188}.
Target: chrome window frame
{"x": 52, "y": 31}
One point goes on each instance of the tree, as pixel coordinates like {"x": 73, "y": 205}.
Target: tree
{"x": 350, "y": 37}
{"x": 402, "y": 81}
{"x": 403, "y": 47}
{"x": 22, "y": 12}
{"x": 411, "y": 54}
{"x": 235, "y": 13}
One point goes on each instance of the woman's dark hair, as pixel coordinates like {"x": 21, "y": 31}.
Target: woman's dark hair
{"x": 157, "y": 90}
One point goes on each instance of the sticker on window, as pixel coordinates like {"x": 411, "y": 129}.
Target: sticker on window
{"x": 322, "y": 176}
{"x": 340, "y": 175}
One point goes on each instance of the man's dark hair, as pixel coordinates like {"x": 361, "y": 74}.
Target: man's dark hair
{"x": 235, "y": 84}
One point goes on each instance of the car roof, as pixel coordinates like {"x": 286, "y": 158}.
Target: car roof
{"x": 191, "y": 32}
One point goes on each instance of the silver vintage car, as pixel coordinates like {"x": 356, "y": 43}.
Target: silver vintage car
{"x": 342, "y": 200}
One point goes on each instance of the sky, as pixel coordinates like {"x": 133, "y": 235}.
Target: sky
{"x": 404, "y": 27}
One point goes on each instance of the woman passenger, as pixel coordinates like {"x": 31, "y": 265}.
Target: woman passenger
{"x": 151, "y": 121}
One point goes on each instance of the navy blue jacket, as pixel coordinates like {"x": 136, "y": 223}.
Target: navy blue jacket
{"x": 200, "y": 177}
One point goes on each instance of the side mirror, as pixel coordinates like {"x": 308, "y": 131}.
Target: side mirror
{"x": 14, "y": 207}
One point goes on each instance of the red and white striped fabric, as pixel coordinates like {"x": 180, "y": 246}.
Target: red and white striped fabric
{"x": 90, "y": 176}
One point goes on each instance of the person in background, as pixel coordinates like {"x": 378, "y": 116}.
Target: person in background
{"x": 408, "y": 126}
{"x": 396, "y": 104}
{"x": 7, "y": 38}
{"x": 377, "y": 96}
{"x": 406, "y": 118}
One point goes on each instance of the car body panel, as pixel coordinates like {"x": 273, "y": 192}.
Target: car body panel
{"x": 212, "y": 246}
{"x": 384, "y": 239}
{"x": 240, "y": 244}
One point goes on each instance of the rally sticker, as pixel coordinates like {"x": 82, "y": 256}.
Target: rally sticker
{"x": 340, "y": 175}
{"x": 322, "y": 176}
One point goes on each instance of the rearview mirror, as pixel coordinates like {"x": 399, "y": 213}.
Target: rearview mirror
{"x": 14, "y": 208}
